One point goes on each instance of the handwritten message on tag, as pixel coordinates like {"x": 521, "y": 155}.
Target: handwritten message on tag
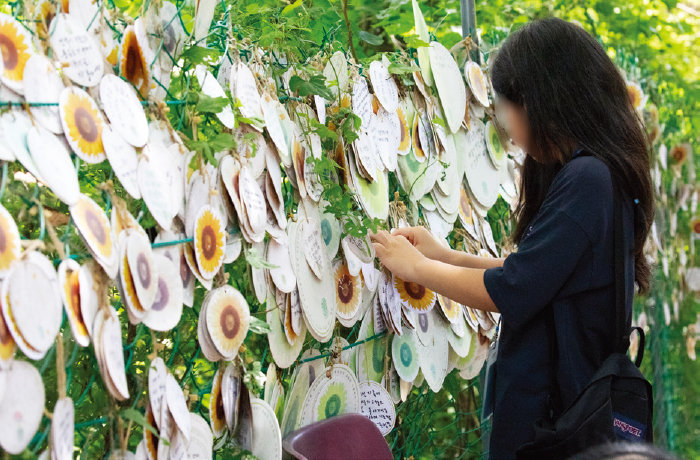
{"x": 253, "y": 200}
{"x": 125, "y": 112}
{"x": 362, "y": 102}
{"x": 376, "y": 404}
{"x": 387, "y": 137}
{"x": 312, "y": 248}
{"x": 62, "y": 428}
{"x": 384, "y": 86}
{"x": 77, "y": 52}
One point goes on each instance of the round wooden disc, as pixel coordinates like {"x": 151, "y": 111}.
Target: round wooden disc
{"x": 328, "y": 397}
{"x": 123, "y": 159}
{"x": 284, "y": 353}
{"x": 217, "y": 416}
{"x": 43, "y": 84}
{"x": 35, "y": 300}
{"x": 55, "y": 166}
{"x": 82, "y": 124}
{"x": 166, "y": 310}
{"x": 76, "y": 50}
{"x": 227, "y": 319}
{"x": 20, "y": 414}
{"x": 69, "y": 285}
{"x": 405, "y": 355}
{"x": 95, "y": 229}
{"x": 142, "y": 267}
{"x": 124, "y": 110}
{"x": 63, "y": 429}
{"x": 9, "y": 234}
{"x": 477, "y": 82}
{"x": 267, "y": 437}
{"x": 18, "y": 48}
{"x": 209, "y": 241}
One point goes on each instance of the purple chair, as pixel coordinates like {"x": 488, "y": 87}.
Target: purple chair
{"x": 347, "y": 437}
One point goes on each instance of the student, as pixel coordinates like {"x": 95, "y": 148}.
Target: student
{"x": 562, "y": 100}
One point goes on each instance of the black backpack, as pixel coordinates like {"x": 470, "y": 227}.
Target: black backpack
{"x": 616, "y": 404}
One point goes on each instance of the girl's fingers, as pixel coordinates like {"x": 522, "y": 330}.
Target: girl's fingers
{"x": 380, "y": 237}
{"x": 406, "y": 232}
{"x": 379, "y": 249}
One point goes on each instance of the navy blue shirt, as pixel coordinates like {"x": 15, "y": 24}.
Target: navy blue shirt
{"x": 564, "y": 260}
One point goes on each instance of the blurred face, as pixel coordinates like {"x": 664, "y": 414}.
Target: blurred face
{"x": 513, "y": 118}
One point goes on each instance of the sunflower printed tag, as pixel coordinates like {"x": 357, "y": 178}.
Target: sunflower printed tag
{"x": 82, "y": 123}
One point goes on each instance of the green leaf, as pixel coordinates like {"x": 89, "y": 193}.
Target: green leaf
{"x": 208, "y": 104}
{"x": 137, "y": 417}
{"x": 413, "y": 41}
{"x": 291, "y": 7}
{"x": 258, "y": 326}
{"x": 397, "y": 68}
{"x": 315, "y": 85}
{"x": 222, "y": 141}
{"x": 374, "y": 40}
{"x": 439, "y": 121}
{"x": 200, "y": 55}
{"x": 256, "y": 260}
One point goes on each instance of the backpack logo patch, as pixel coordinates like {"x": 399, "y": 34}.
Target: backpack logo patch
{"x": 627, "y": 428}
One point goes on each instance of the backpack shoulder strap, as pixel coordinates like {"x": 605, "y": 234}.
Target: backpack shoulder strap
{"x": 622, "y": 333}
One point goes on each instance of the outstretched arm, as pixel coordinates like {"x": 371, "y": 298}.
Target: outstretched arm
{"x": 430, "y": 247}
{"x": 463, "y": 259}
{"x": 461, "y": 284}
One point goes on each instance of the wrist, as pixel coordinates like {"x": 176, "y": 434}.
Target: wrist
{"x": 449, "y": 256}
{"x": 420, "y": 268}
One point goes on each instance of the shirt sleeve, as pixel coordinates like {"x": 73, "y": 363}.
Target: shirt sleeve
{"x": 530, "y": 278}
{"x": 573, "y": 215}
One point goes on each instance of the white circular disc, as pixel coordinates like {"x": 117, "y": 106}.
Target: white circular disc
{"x": 123, "y": 159}
{"x": 450, "y": 85}
{"x": 153, "y": 185}
{"x": 157, "y": 378}
{"x": 384, "y": 86}
{"x": 95, "y": 228}
{"x": 63, "y": 429}
{"x": 166, "y": 310}
{"x": 283, "y": 276}
{"x": 477, "y": 82}
{"x": 405, "y": 355}
{"x": 328, "y": 397}
{"x": 22, "y": 48}
{"x": 377, "y": 405}
{"x": 82, "y": 124}
{"x": 362, "y": 102}
{"x": 178, "y": 406}
{"x": 284, "y": 353}
{"x": 89, "y": 303}
{"x": 267, "y": 438}
{"x": 114, "y": 353}
{"x": 142, "y": 267}
{"x": 124, "y": 110}
{"x": 76, "y": 50}
{"x": 201, "y": 439}
{"x": 246, "y": 91}
{"x": 35, "y": 301}
{"x": 55, "y": 166}
{"x": 43, "y": 84}
{"x": 316, "y": 295}
{"x": 484, "y": 181}
{"x": 20, "y": 414}
{"x": 15, "y": 125}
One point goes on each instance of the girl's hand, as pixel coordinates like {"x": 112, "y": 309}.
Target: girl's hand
{"x": 397, "y": 254}
{"x": 424, "y": 241}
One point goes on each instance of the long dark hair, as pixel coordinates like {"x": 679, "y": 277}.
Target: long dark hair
{"x": 574, "y": 95}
